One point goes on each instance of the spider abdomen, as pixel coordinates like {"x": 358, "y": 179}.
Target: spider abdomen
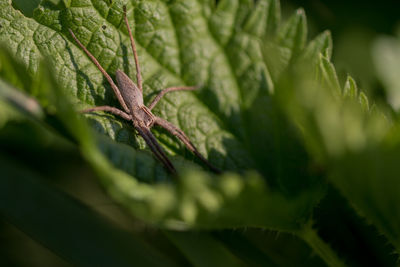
{"x": 131, "y": 94}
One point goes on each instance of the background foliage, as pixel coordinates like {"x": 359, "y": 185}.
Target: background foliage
{"x": 310, "y": 160}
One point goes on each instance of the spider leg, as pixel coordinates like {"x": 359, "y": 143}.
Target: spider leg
{"x": 185, "y": 140}
{"x": 167, "y": 90}
{"x": 138, "y": 75}
{"x": 151, "y": 141}
{"x": 110, "y": 81}
{"x": 112, "y": 110}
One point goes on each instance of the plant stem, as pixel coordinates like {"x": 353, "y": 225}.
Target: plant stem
{"x": 311, "y": 237}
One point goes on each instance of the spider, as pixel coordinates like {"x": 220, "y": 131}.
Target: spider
{"x": 130, "y": 96}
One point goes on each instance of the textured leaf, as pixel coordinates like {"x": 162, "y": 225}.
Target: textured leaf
{"x": 222, "y": 21}
{"x": 358, "y": 144}
{"x": 364, "y": 101}
{"x": 322, "y": 44}
{"x": 350, "y": 88}
{"x": 256, "y": 24}
{"x": 329, "y": 74}
{"x": 293, "y": 34}
{"x": 278, "y": 52}
{"x": 270, "y": 112}
{"x": 176, "y": 46}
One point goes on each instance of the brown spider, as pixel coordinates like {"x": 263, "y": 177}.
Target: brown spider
{"x": 130, "y": 96}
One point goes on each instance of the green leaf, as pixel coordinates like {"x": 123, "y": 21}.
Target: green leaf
{"x": 329, "y": 75}
{"x": 222, "y": 20}
{"x": 287, "y": 45}
{"x": 175, "y": 48}
{"x": 13, "y": 100}
{"x": 178, "y": 43}
{"x": 364, "y": 101}
{"x": 373, "y": 172}
{"x": 277, "y": 57}
{"x": 322, "y": 44}
{"x": 311, "y": 237}
{"x": 293, "y": 34}
{"x": 203, "y": 250}
{"x": 61, "y": 223}
{"x": 277, "y": 126}
{"x": 358, "y": 146}
{"x": 350, "y": 88}
{"x": 278, "y": 150}
{"x": 386, "y": 55}
{"x": 26, "y": 7}
{"x": 256, "y": 24}
{"x": 243, "y": 248}
{"x": 274, "y": 17}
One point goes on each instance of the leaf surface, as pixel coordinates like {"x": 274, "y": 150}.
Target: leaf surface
{"x": 178, "y": 44}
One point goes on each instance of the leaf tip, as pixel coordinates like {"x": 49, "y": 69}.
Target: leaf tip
{"x": 301, "y": 13}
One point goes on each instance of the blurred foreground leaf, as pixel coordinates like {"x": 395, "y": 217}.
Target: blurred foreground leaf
{"x": 66, "y": 226}
{"x": 357, "y": 143}
{"x": 386, "y": 55}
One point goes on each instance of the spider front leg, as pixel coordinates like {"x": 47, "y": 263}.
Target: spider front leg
{"x": 138, "y": 74}
{"x": 167, "y": 90}
{"x": 112, "y": 110}
{"x": 102, "y": 70}
{"x": 185, "y": 140}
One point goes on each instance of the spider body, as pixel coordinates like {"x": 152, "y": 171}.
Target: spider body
{"x": 130, "y": 96}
